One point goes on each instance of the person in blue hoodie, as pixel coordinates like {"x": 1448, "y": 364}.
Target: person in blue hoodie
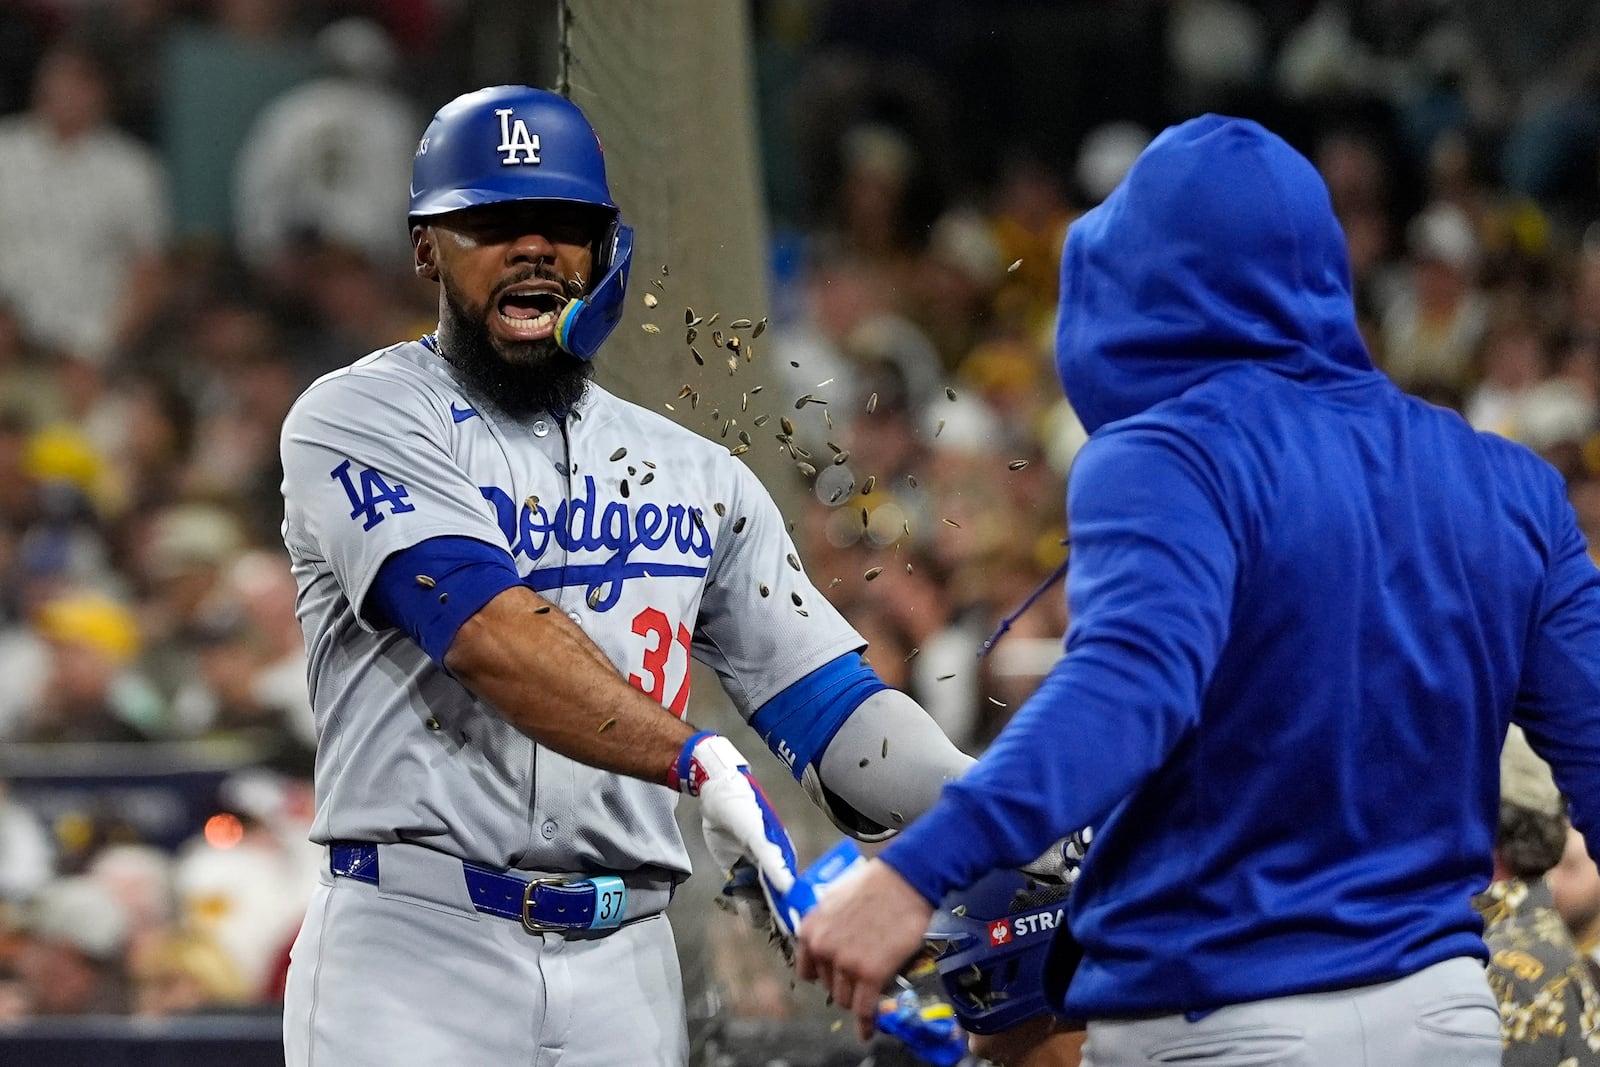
{"x": 1305, "y": 607}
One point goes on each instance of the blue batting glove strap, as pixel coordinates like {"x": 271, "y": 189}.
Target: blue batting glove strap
{"x": 930, "y": 1031}
{"x": 683, "y": 777}
{"x": 769, "y": 820}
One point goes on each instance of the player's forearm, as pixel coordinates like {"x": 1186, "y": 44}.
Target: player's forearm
{"x": 889, "y": 760}
{"x": 540, "y": 671}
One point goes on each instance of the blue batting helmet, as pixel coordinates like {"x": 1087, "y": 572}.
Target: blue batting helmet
{"x": 989, "y": 944}
{"x": 513, "y": 144}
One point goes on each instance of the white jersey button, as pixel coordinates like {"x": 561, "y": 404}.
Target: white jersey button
{"x": 575, "y": 617}
{"x": 548, "y": 829}
{"x": 541, "y": 428}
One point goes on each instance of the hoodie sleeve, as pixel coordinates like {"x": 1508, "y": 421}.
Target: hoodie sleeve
{"x": 1150, "y": 589}
{"x": 1558, "y": 702}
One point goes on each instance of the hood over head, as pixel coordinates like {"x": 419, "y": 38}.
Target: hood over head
{"x": 1219, "y": 247}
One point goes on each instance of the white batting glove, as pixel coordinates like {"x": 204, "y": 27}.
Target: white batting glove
{"x": 735, "y": 815}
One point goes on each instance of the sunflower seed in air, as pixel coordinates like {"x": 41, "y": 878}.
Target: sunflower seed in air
{"x": 794, "y": 561}
{"x": 796, "y": 598}
{"x": 761, "y": 420}
{"x": 542, "y": 609}
{"x": 1016, "y": 464}
{"x": 911, "y": 480}
{"x": 734, "y": 343}
{"x": 424, "y": 581}
{"x": 761, "y": 328}
{"x": 885, "y": 753}
{"x": 720, "y": 508}
{"x": 1014, "y": 265}
{"x": 944, "y": 677}
{"x": 873, "y": 573}
{"x": 939, "y": 429}
{"x": 949, "y": 392}
{"x": 740, "y": 324}
{"x": 738, "y": 450}
{"x": 649, "y": 476}
{"x": 912, "y": 654}
{"x": 788, "y": 427}
{"x": 867, "y": 486}
{"x": 698, "y": 358}
{"x": 909, "y": 570}
{"x": 608, "y": 724}
{"x": 618, "y": 454}
{"x": 726, "y": 427}
{"x": 744, "y": 438}
{"x": 689, "y": 335}
{"x": 712, "y": 321}
{"x": 738, "y": 524}
{"x": 650, "y": 300}
{"x": 624, "y": 488}
{"x": 763, "y": 589}
{"x": 865, "y": 517}
{"x": 806, "y": 469}
{"x": 744, "y": 401}
{"x": 533, "y": 503}
{"x": 951, "y": 522}
{"x": 998, "y": 703}
{"x": 835, "y": 581}
{"x": 594, "y": 597}
{"x": 716, "y": 338}
{"x": 657, "y": 283}
{"x": 650, "y": 327}
{"x": 842, "y": 457}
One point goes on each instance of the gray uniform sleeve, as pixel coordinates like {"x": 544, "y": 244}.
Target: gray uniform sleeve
{"x": 367, "y": 472}
{"x": 762, "y": 624}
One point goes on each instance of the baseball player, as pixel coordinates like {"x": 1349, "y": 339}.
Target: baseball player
{"x": 1305, "y": 609}
{"x": 503, "y": 573}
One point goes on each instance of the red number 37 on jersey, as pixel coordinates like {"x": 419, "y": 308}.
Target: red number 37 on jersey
{"x": 656, "y": 629}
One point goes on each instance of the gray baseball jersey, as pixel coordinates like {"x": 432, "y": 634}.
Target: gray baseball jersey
{"x": 658, "y": 542}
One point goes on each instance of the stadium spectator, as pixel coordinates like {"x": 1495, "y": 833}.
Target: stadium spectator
{"x": 1549, "y": 1007}
{"x": 90, "y": 694}
{"x": 84, "y": 212}
{"x": 71, "y": 955}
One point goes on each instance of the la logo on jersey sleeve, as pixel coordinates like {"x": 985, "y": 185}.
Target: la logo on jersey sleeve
{"x": 368, "y": 491}
{"x": 517, "y": 145}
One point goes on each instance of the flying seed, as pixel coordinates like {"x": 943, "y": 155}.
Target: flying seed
{"x": 618, "y": 454}
{"x": 649, "y": 476}
{"x": 842, "y": 457}
{"x": 909, "y": 570}
{"x": 733, "y": 364}
{"x": 694, "y": 401}
{"x": 594, "y": 597}
{"x": 761, "y": 328}
{"x": 744, "y": 401}
{"x": 867, "y": 486}
{"x": 912, "y": 654}
{"x": 542, "y": 609}
{"x": 863, "y": 763}
{"x": 734, "y": 343}
{"x": 944, "y": 677}
{"x": 998, "y": 703}
{"x": 668, "y": 406}
{"x": 797, "y": 450}
{"x": 911, "y": 480}
{"x": 959, "y": 909}
{"x": 951, "y": 522}
{"x": 796, "y": 598}
{"x": 444, "y": 598}
{"x": 762, "y": 587}
{"x": 424, "y": 581}
{"x": 1014, "y": 265}
{"x": 647, "y": 463}
{"x": 632, "y": 470}
{"x": 885, "y": 753}
{"x": 726, "y": 426}
{"x": 689, "y": 335}
{"x": 624, "y": 488}
{"x": 794, "y": 561}
{"x": 744, "y": 437}
{"x": 1016, "y": 464}
{"x": 650, "y": 327}
{"x": 720, "y": 509}
{"x": 657, "y": 283}
{"x": 712, "y": 321}
{"x": 834, "y": 582}
{"x": 698, "y": 358}
{"x": 740, "y": 324}
{"x": 802, "y": 612}
{"x": 873, "y": 573}
{"x": 685, "y": 391}
{"x": 833, "y": 498}
{"x": 716, "y": 338}
{"x": 575, "y": 285}
{"x": 864, "y": 517}
{"x": 532, "y": 503}
{"x": 806, "y": 469}
{"x": 761, "y": 420}
{"x": 650, "y": 300}
{"x": 939, "y": 429}
{"x": 795, "y": 363}
{"x": 689, "y": 317}
{"x": 949, "y": 392}
{"x": 788, "y": 427}
{"x": 699, "y": 519}
{"x": 738, "y": 524}
{"x": 789, "y": 526}
{"x": 897, "y": 817}
{"x": 738, "y": 450}
{"x": 608, "y": 724}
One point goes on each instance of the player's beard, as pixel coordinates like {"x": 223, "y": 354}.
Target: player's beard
{"x": 521, "y": 378}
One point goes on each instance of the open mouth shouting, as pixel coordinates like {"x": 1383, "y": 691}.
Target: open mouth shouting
{"x": 527, "y": 310}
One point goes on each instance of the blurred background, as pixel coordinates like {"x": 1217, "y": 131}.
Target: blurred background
{"x": 202, "y": 209}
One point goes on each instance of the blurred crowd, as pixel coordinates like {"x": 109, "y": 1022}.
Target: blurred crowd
{"x": 200, "y": 212}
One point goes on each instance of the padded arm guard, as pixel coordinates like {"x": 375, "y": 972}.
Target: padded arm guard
{"x": 884, "y": 767}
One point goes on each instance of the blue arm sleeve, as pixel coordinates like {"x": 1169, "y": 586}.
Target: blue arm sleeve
{"x": 798, "y": 723}
{"x": 466, "y": 574}
{"x": 1150, "y": 590}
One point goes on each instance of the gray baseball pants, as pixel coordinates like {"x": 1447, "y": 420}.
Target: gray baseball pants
{"x": 401, "y": 974}
{"x": 1442, "y": 1016}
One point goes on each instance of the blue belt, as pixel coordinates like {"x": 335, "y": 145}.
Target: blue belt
{"x": 542, "y": 905}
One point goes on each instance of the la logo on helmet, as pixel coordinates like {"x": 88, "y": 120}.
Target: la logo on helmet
{"x": 515, "y": 139}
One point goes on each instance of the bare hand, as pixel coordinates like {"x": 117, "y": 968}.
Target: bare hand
{"x": 861, "y": 932}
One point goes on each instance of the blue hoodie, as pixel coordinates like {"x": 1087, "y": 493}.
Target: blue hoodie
{"x": 1304, "y": 608}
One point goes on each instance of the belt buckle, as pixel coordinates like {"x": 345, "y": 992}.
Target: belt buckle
{"x": 529, "y": 923}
